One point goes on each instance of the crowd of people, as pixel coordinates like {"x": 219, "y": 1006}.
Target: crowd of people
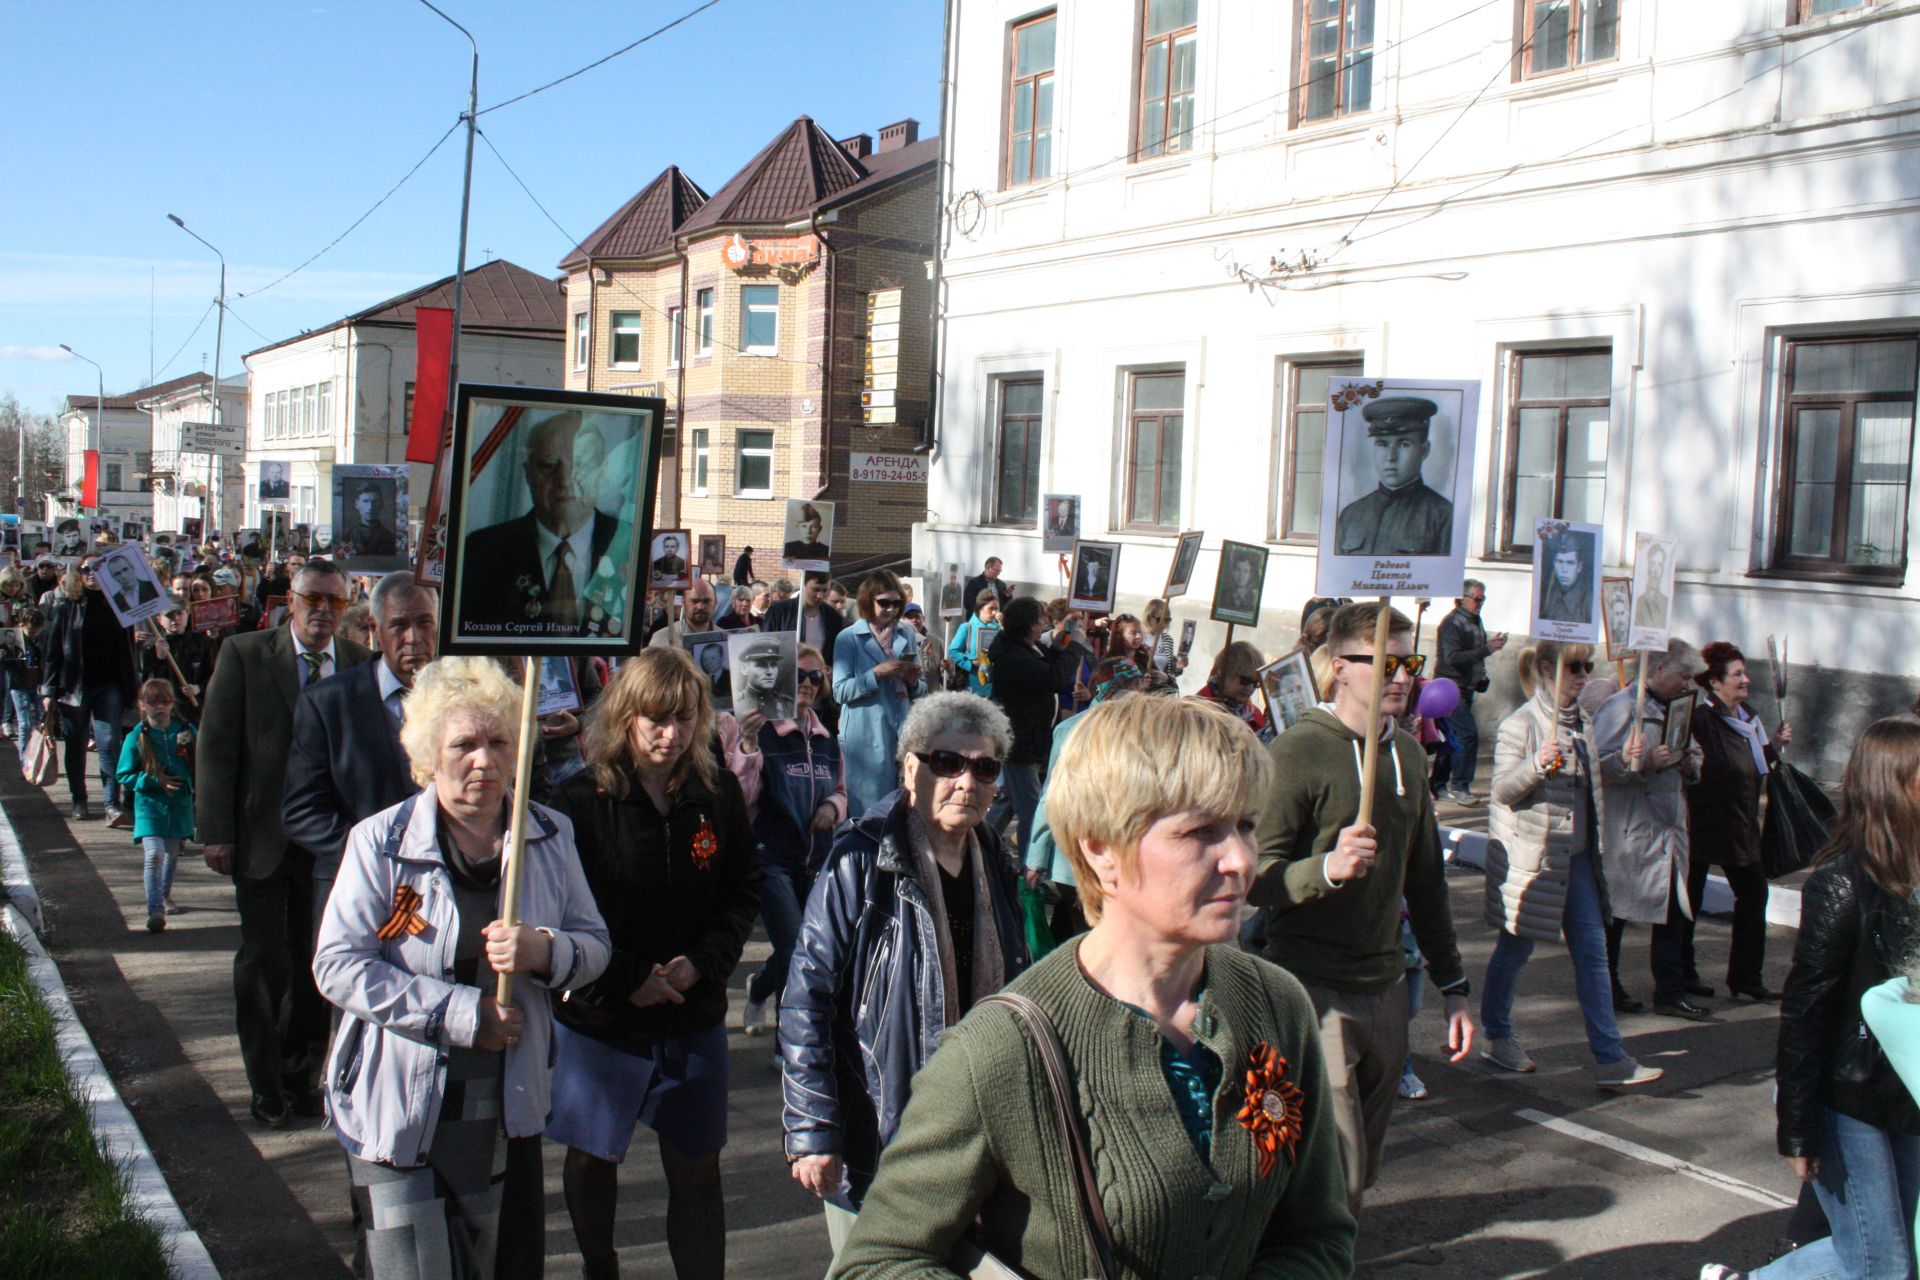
{"x": 978, "y": 858}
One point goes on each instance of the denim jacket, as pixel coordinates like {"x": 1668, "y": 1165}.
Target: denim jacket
{"x": 387, "y": 1070}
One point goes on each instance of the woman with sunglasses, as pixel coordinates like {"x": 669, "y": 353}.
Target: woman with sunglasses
{"x": 876, "y": 677}
{"x": 1231, "y": 683}
{"x": 1544, "y": 877}
{"x": 90, "y": 672}
{"x": 914, "y": 920}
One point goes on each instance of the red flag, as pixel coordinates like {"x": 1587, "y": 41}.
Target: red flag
{"x": 90, "y": 482}
{"x": 432, "y": 355}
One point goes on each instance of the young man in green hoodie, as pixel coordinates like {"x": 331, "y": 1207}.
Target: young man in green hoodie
{"x": 1335, "y": 884}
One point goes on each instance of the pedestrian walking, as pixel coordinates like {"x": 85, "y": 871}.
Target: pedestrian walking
{"x": 1028, "y": 679}
{"x": 968, "y": 636}
{"x": 988, "y": 579}
{"x": 1231, "y": 683}
{"x": 1155, "y": 804}
{"x": 89, "y": 670}
{"x": 876, "y": 678}
{"x": 1462, "y": 649}
{"x": 172, "y": 646}
{"x": 1544, "y": 877}
{"x": 156, "y": 770}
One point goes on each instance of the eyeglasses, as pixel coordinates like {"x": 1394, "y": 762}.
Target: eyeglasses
{"x": 1580, "y": 668}
{"x": 1412, "y": 664}
{"x": 887, "y": 602}
{"x": 320, "y": 600}
{"x": 813, "y": 677}
{"x": 1475, "y": 599}
{"x": 951, "y": 764}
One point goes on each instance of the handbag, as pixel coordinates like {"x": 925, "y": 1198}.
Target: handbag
{"x": 40, "y": 763}
{"x": 971, "y": 1259}
{"x": 1799, "y": 816}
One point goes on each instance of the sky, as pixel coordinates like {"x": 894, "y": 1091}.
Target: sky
{"x": 269, "y": 126}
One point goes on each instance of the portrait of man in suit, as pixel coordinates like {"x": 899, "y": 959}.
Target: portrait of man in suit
{"x": 127, "y": 589}
{"x": 368, "y": 528}
{"x": 1400, "y": 514}
{"x": 1093, "y": 576}
{"x": 667, "y": 567}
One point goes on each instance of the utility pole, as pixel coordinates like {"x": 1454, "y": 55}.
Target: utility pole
{"x": 214, "y": 465}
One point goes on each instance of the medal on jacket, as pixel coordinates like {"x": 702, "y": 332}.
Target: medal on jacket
{"x": 1271, "y": 1112}
{"x": 705, "y": 845}
{"x": 406, "y": 915}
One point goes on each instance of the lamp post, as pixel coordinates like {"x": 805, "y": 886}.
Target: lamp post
{"x": 100, "y": 414}
{"x": 214, "y": 467}
{"x": 466, "y": 203}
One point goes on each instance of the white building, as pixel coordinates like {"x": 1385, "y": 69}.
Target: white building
{"x": 121, "y": 429}
{"x": 344, "y": 393}
{"x": 195, "y": 485}
{"x": 1677, "y": 242}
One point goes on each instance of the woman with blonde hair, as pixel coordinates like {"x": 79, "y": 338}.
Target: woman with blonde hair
{"x": 1232, "y": 681}
{"x": 669, "y": 852}
{"x": 1156, "y": 1011}
{"x": 428, "y": 1068}
{"x": 1157, "y": 630}
{"x": 1544, "y": 877}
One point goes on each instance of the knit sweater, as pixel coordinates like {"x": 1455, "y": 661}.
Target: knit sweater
{"x": 1347, "y": 936}
{"x": 979, "y": 1138}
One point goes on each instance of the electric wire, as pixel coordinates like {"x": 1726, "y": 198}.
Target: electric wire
{"x": 198, "y": 325}
{"x": 657, "y": 31}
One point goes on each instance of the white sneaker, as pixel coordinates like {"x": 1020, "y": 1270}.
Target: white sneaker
{"x": 1626, "y": 1074}
{"x": 1716, "y": 1271}
{"x": 754, "y": 1020}
{"x": 1508, "y": 1054}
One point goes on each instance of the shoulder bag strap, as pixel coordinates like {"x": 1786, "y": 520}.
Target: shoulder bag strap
{"x": 1066, "y": 1115}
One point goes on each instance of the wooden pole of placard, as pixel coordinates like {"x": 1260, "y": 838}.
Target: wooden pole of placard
{"x": 1376, "y": 688}
{"x": 178, "y": 675}
{"x": 1419, "y": 616}
{"x": 517, "y": 831}
{"x": 1559, "y": 686}
{"x": 1639, "y": 710}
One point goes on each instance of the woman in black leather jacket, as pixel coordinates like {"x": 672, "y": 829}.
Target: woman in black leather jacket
{"x": 1846, "y": 1123}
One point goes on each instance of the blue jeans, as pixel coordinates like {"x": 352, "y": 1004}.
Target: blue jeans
{"x": 1020, "y": 793}
{"x": 101, "y": 707}
{"x": 783, "y": 897}
{"x": 26, "y": 709}
{"x": 1466, "y": 743}
{"x": 161, "y": 854}
{"x": 1869, "y": 1183}
{"x": 1586, "y": 935}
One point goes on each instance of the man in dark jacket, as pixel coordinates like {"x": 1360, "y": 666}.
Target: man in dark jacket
{"x": 989, "y": 576}
{"x": 91, "y": 673}
{"x": 1027, "y": 683}
{"x": 1464, "y": 647}
{"x": 818, "y": 622}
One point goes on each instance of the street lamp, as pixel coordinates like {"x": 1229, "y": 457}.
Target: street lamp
{"x": 219, "y": 331}
{"x": 100, "y": 417}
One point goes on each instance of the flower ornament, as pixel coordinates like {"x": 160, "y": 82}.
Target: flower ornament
{"x": 1272, "y": 1110}
{"x": 1355, "y": 393}
{"x": 705, "y": 845}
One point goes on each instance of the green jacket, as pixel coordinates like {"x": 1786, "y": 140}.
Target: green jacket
{"x": 156, "y": 810}
{"x": 978, "y": 1139}
{"x": 1347, "y": 937}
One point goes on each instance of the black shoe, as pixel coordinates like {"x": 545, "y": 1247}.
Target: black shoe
{"x": 1625, "y": 1003}
{"x": 80, "y": 813}
{"x": 1681, "y": 1007}
{"x": 1694, "y": 987}
{"x": 307, "y": 1103}
{"x": 1758, "y": 993}
{"x": 271, "y": 1110}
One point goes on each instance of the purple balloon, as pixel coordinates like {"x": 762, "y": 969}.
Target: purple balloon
{"x": 1439, "y": 698}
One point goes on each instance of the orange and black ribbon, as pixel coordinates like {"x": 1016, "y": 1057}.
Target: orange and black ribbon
{"x": 406, "y": 915}
{"x": 1272, "y": 1110}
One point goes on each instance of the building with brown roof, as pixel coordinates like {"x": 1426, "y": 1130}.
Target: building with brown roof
{"x": 748, "y": 312}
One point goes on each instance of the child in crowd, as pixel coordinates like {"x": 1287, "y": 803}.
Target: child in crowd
{"x": 156, "y": 764}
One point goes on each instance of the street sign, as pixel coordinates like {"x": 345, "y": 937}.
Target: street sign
{"x": 213, "y": 437}
{"x": 896, "y": 468}
{"x": 881, "y": 384}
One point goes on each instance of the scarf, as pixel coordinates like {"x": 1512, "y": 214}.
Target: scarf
{"x": 1124, "y": 674}
{"x": 1748, "y": 726}
{"x": 989, "y": 966}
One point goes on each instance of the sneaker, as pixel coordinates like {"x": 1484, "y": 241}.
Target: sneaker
{"x": 156, "y": 922}
{"x": 1412, "y": 1087}
{"x": 173, "y": 908}
{"x": 119, "y": 819}
{"x": 1508, "y": 1054}
{"x": 1715, "y": 1271}
{"x": 754, "y": 1021}
{"x": 1624, "y": 1074}
{"x": 80, "y": 813}
{"x": 1457, "y": 796}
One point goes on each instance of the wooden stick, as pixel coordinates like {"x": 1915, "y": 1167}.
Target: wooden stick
{"x": 1376, "y": 686}
{"x": 177, "y": 675}
{"x": 1559, "y": 687}
{"x": 1419, "y": 616}
{"x": 517, "y": 832}
{"x": 1639, "y": 710}
{"x": 1229, "y": 633}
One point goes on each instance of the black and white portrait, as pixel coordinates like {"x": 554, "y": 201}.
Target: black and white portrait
{"x": 100, "y": 529}
{"x": 1566, "y": 582}
{"x": 950, "y": 604}
{"x": 1290, "y": 689}
{"x": 13, "y": 644}
{"x": 1059, "y": 521}
{"x": 558, "y": 691}
{"x": 1653, "y": 570}
{"x": 1095, "y": 565}
{"x": 548, "y": 524}
{"x": 667, "y": 565}
{"x": 1237, "y": 589}
{"x": 35, "y": 540}
{"x": 807, "y": 542}
{"x": 765, "y": 666}
{"x": 1616, "y": 611}
{"x": 709, "y": 650}
{"x": 132, "y": 590}
{"x": 370, "y": 517}
{"x": 131, "y": 531}
{"x": 1678, "y": 729}
{"x": 251, "y": 544}
{"x": 69, "y": 537}
{"x": 321, "y": 543}
{"x": 713, "y": 554}
{"x": 274, "y": 486}
{"x": 1186, "y": 553}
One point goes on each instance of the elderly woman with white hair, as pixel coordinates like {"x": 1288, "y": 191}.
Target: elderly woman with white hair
{"x": 915, "y": 918}
{"x": 427, "y": 1068}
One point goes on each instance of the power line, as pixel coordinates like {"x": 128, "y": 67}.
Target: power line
{"x": 243, "y": 324}
{"x": 362, "y": 218}
{"x": 183, "y": 346}
{"x": 658, "y": 31}
{"x": 524, "y": 187}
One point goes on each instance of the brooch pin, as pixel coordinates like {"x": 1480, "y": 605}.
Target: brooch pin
{"x": 406, "y": 915}
{"x": 705, "y": 845}
{"x": 1271, "y": 1112}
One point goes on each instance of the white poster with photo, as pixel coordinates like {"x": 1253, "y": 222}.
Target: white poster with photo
{"x": 1059, "y": 521}
{"x": 1397, "y": 497}
{"x": 558, "y": 691}
{"x": 808, "y": 540}
{"x": 1095, "y": 564}
{"x": 765, "y": 668}
{"x": 1566, "y": 582}
{"x": 1653, "y": 570}
{"x": 133, "y": 590}
{"x": 370, "y": 523}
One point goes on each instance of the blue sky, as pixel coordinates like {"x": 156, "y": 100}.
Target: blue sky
{"x": 269, "y": 126}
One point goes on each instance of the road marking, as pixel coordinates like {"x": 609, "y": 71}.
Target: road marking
{"x": 1660, "y": 1158}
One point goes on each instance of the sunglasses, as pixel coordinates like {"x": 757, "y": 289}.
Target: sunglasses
{"x": 1412, "y": 664}
{"x": 813, "y": 677}
{"x": 320, "y": 600}
{"x": 951, "y": 764}
{"x": 887, "y": 602}
{"x": 1580, "y": 668}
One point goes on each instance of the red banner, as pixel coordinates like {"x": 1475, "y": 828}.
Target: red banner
{"x": 90, "y": 482}
{"x": 432, "y": 354}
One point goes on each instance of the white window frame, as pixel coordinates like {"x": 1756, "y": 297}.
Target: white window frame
{"x": 741, "y": 452}
{"x": 617, "y": 330}
{"x": 323, "y": 413}
{"x": 676, "y": 337}
{"x": 701, "y": 454}
{"x": 309, "y": 409}
{"x": 748, "y": 309}
{"x": 582, "y": 340}
{"x": 703, "y": 300}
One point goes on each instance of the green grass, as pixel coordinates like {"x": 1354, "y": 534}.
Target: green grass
{"x": 63, "y": 1206}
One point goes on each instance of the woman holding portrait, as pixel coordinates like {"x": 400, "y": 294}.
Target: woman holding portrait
{"x": 876, "y": 678}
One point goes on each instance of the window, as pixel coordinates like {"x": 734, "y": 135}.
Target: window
{"x": 266, "y": 416}
{"x": 309, "y": 403}
{"x": 1017, "y": 496}
{"x": 1167, "y": 52}
{"x": 1336, "y": 60}
{"x": 580, "y": 340}
{"x": 1554, "y": 35}
{"x": 1030, "y": 103}
{"x": 1847, "y": 456}
{"x": 323, "y": 417}
{"x": 110, "y": 480}
{"x": 1808, "y": 10}
{"x": 753, "y": 469}
{"x": 700, "y": 457}
{"x": 406, "y": 412}
{"x": 675, "y": 339}
{"x": 760, "y": 318}
{"x": 703, "y": 318}
{"x": 1556, "y": 463}
{"x": 286, "y": 414}
{"x": 1154, "y": 421}
{"x": 1305, "y": 394}
{"x": 626, "y": 340}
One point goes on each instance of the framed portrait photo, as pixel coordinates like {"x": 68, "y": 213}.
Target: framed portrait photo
{"x": 1059, "y": 521}
{"x": 1654, "y": 563}
{"x": 1290, "y": 688}
{"x": 765, "y": 666}
{"x": 1679, "y": 726}
{"x": 558, "y": 690}
{"x": 950, "y": 603}
{"x": 709, "y": 651}
{"x": 713, "y": 554}
{"x": 1186, "y": 553}
{"x": 1095, "y": 565}
{"x": 133, "y": 590}
{"x": 549, "y": 515}
{"x": 370, "y": 517}
{"x": 1187, "y": 630}
{"x": 807, "y": 539}
{"x": 1239, "y": 584}
{"x": 1616, "y": 614}
{"x": 668, "y": 568}
{"x": 213, "y": 615}
{"x": 1566, "y": 582}
{"x": 1397, "y": 494}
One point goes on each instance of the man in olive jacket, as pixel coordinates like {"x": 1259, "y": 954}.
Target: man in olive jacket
{"x": 245, "y": 734}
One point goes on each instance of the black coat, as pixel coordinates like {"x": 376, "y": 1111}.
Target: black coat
{"x": 506, "y": 557}
{"x": 783, "y": 615}
{"x": 1027, "y": 685}
{"x": 743, "y": 570}
{"x": 975, "y": 585}
{"x": 1853, "y": 936}
{"x": 344, "y": 764}
{"x": 61, "y": 650}
{"x": 1463, "y": 650}
{"x": 1723, "y": 807}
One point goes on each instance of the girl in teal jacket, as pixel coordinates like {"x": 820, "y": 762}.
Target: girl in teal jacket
{"x": 155, "y": 768}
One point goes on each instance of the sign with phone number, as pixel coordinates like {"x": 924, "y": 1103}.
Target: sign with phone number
{"x": 895, "y": 468}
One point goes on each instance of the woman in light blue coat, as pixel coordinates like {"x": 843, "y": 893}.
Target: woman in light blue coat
{"x": 876, "y": 677}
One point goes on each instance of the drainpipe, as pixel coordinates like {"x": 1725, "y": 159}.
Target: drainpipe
{"x": 825, "y": 476}
{"x": 680, "y": 427}
{"x": 936, "y": 366}
{"x": 592, "y": 327}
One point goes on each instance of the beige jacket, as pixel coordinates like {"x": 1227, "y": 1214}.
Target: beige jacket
{"x": 1531, "y": 825}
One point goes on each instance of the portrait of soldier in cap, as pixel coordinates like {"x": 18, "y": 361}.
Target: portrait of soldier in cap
{"x": 1401, "y": 515}
{"x": 765, "y": 680}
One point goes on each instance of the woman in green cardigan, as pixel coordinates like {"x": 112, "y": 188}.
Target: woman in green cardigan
{"x": 1197, "y": 1067}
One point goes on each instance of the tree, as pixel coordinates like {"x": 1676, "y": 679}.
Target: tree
{"x": 45, "y": 456}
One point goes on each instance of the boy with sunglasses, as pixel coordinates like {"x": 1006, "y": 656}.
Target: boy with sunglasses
{"x": 1335, "y": 884}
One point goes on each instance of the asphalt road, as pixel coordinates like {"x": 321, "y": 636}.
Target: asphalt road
{"x": 1476, "y": 1184}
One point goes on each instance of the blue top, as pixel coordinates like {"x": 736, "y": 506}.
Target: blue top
{"x": 1193, "y": 1077}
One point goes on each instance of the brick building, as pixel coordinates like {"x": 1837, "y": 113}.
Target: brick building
{"x": 747, "y": 311}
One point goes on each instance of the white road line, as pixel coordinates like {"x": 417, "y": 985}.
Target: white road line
{"x": 1648, "y": 1155}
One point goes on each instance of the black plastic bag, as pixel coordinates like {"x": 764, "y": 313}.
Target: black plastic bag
{"x": 1798, "y": 818}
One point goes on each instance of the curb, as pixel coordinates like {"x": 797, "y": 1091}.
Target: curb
{"x": 113, "y": 1125}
